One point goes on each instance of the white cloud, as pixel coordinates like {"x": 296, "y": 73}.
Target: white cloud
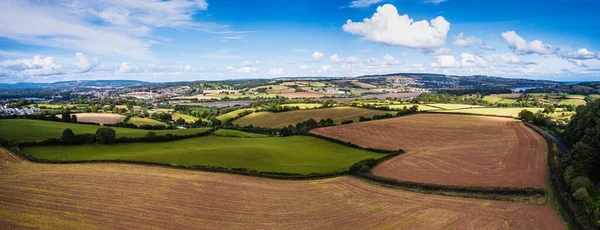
{"x": 486, "y": 47}
{"x": 275, "y": 71}
{"x": 129, "y": 68}
{"x": 465, "y": 42}
{"x": 434, "y": 1}
{"x": 580, "y": 54}
{"x": 438, "y": 52}
{"x": 390, "y": 60}
{"x": 335, "y": 58}
{"x": 106, "y": 27}
{"x": 352, "y": 59}
{"x": 363, "y": 3}
{"x": 521, "y": 46}
{"x": 388, "y": 27}
{"x": 324, "y": 68}
{"x": 317, "y": 56}
{"x": 85, "y": 63}
{"x": 303, "y": 67}
{"x": 37, "y": 66}
{"x": 466, "y": 60}
{"x": 242, "y": 69}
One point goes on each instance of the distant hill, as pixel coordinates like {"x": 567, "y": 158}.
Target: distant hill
{"x": 75, "y": 84}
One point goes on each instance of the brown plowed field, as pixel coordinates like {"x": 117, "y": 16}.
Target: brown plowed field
{"x": 118, "y": 196}
{"x": 100, "y": 118}
{"x": 453, "y": 149}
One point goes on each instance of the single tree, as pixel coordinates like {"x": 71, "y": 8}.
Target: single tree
{"x": 105, "y": 136}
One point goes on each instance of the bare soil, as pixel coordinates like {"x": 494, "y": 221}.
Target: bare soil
{"x": 119, "y": 196}
{"x": 453, "y": 149}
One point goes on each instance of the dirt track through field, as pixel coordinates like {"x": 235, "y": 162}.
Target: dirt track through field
{"x": 453, "y": 149}
{"x": 110, "y": 196}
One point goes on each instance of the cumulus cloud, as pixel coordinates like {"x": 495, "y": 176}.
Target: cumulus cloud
{"x": 388, "y": 27}
{"x": 390, "y": 60}
{"x": 37, "y": 66}
{"x": 275, "y": 71}
{"x": 466, "y": 60}
{"x": 324, "y": 68}
{"x": 335, "y": 58}
{"x": 486, "y": 47}
{"x": 127, "y": 67}
{"x": 437, "y": 52}
{"x": 520, "y": 46}
{"x": 317, "y": 56}
{"x": 580, "y": 54}
{"x": 303, "y": 67}
{"x": 465, "y": 42}
{"x": 363, "y": 3}
{"x": 352, "y": 59}
{"x": 85, "y": 63}
{"x": 242, "y": 69}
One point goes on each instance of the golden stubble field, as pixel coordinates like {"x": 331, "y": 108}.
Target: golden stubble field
{"x": 111, "y": 196}
{"x": 453, "y": 149}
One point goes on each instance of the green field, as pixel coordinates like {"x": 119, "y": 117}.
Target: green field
{"x": 572, "y": 102}
{"x": 295, "y": 154}
{"x": 283, "y": 119}
{"x": 507, "y": 101}
{"x": 303, "y": 105}
{"x": 236, "y": 133}
{"x": 145, "y": 121}
{"x": 506, "y": 112}
{"x": 232, "y": 114}
{"x": 493, "y": 99}
{"x": 25, "y": 130}
{"x": 187, "y": 118}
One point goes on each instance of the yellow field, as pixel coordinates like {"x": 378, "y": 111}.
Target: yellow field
{"x": 572, "y": 102}
{"x": 453, "y": 106}
{"x": 144, "y": 121}
{"x": 274, "y": 89}
{"x": 187, "y": 118}
{"x": 303, "y": 105}
{"x": 232, "y": 114}
{"x": 280, "y": 120}
{"x": 506, "y": 112}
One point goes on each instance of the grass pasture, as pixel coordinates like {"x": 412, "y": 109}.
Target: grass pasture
{"x": 187, "y": 118}
{"x": 493, "y": 99}
{"x": 283, "y": 119}
{"x": 504, "y": 112}
{"x": 422, "y": 107}
{"x": 25, "y": 130}
{"x": 453, "y": 149}
{"x": 237, "y": 133}
{"x": 296, "y": 154}
{"x": 120, "y": 196}
{"x": 575, "y": 102}
{"x": 145, "y": 121}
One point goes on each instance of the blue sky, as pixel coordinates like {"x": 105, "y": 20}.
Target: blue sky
{"x": 154, "y": 40}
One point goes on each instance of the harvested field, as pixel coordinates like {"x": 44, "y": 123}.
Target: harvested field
{"x": 283, "y": 119}
{"x": 392, "y": 95}
{"x": 300, "y": 95}
{"x": 145, "y": 121}
{"x": 119, "y": 196}
{"x": 197, "y": 96}
{"x": 508, "y": 95}
{"x": 100, "y": 118}
{"x": 303, "y": 105}
{"x": 451, "y": 149}
{"x": 453, "y": 106}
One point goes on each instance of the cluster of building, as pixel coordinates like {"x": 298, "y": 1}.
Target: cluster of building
{"x": 5, "y": 111}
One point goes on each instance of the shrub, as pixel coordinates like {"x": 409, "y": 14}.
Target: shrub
{"x": 363, "y": 166}
{"x": 68, "y": 137}
{"x": 105, "y": 136}
{"x": 568, "y": 175}
{"x": 582, "y": 182}
{"x": 150, "y": 136}
{"x": 86, "y": 138}
{"x": 347, "y": 122}
{"x": 582, "y": 195}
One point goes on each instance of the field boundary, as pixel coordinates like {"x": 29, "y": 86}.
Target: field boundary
{"x": 577, "y": 216}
